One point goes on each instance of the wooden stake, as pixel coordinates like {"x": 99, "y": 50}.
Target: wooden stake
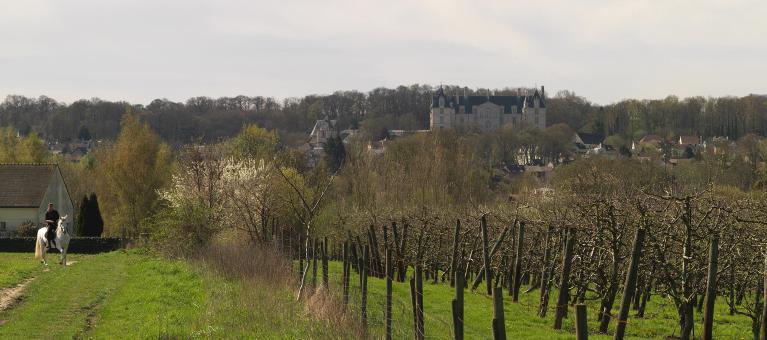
{"x": 630, "y": 286}
{"x": 708, "y": 315}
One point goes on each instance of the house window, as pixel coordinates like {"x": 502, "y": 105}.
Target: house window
{"x": 441, "y": 120}
{"x": 2, "y": 226}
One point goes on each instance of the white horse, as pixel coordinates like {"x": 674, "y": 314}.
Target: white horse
{"x": 62, "y": 242}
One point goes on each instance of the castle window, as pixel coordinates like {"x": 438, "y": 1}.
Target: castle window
{"x": 441, "y": 120}
{"x": 441, "y": 101}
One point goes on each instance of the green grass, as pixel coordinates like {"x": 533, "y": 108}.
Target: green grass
{"x": 15, "y": 267}
{"x": 521, "y": 319}
{"x": 132, "y": 295}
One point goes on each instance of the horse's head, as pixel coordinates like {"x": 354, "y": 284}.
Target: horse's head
{"x": 61, "y": 223}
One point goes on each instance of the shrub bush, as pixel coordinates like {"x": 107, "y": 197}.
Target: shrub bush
{"x": 27, "y": 229}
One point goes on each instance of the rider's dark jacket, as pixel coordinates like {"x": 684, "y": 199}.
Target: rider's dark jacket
{"x": 52, "y": 215}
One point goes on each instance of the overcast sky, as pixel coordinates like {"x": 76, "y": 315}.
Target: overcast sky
{"x": 603, "y": 50}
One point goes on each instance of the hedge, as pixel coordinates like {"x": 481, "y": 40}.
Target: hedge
{"x": 78, "y": 245}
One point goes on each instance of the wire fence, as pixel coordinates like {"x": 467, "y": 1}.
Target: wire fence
{"x": 438, "y": 314}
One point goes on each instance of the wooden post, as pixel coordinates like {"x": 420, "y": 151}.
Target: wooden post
{"x": 389, "y": 276}
{"x": 402, "y": 270}
{"x": 419, "y": 301}
{"x": 518, "y": 263}
{"x": 581, "y": 322}
{"x": 454, "y": 259}
{"x": 544, "y": 300}
{"x": 763, "y": 328}
{"x": 347, "y": 270}
{"x": 493, "y": 250}
{"x": 458, "y": 304}
{"x": 499, "y": 324}
{"x": 486, "y": 255}
{"x": 564, "y": 284}
{"x": 314, "y": 263}
{"x": 630, "y": 286}
{"x": 376, "y": 255}
{"x": 325, "y": 266}
{"x": 708, "y": 315}
{"x": 414, "y": 302}
{"x": 364, "y": 286}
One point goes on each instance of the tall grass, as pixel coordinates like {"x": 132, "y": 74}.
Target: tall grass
{"x": 240, "y": 259}
{"x": 265, "y": 267}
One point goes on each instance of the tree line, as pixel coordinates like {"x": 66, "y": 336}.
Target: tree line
{"x": 405, "y": 107}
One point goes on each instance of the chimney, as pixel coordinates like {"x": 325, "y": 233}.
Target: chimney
{"x": 543, "y": 94}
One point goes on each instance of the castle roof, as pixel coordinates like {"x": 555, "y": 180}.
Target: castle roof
{"x": 506, "y": 101}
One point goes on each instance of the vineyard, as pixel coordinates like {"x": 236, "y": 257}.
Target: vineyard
{"x": 609, "y": 260}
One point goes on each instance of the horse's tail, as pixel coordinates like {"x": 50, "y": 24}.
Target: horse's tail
{"x": 39, "y": 249}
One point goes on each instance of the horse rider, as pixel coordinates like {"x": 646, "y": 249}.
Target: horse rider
{"x": 51, "y": 218}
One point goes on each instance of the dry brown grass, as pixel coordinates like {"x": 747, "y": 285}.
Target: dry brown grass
{"x": 328, "y": 308}
{"x": 262, "y": 265}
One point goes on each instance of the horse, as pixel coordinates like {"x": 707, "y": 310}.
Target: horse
{"x": 62, "y": 242}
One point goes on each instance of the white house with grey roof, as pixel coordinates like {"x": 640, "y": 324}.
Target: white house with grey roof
{"x": 488, "y": 112}
{"x": 26, "y": 190}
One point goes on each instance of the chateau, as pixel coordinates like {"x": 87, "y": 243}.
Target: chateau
{"x": 488, "y": 112}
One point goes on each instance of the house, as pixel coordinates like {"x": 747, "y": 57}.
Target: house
{"x": 488, "y": 112}
{"x": 585, "y": 143}
{"x": 26, "y": 190}
{"x": 653, "y": 140}
{"x": 323, "y": 130}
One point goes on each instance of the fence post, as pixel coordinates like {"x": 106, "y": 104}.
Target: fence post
{"x": 419, "y": 301}
{"x": 763, "y": 328}
{"x": 630, "y": 286}
{"x": 364, "y": 302}
{"x": 581, "y": 322}
{"x": 389, "y": 276}
{"x": 518, "y": 262}
{"x": 314, "y": 263}
{"x": 325, "y": 266}
{"x": 454, "y": 258}
{"x": 458, "y": 304}
{"x": 564, "y": 285}
{"x": 708, "y": 315}
{"x": 486, "y": 256}
{"x": 347, "y": 270}
{"x": 544, "y": 300}
{"x": 499, "y": 324}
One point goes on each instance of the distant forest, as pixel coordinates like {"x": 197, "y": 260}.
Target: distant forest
{"x": 204, "y": 119}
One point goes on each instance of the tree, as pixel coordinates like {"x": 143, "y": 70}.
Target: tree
{"x": 335, "y": 152}
{"x": 253, "y": 142}
{"x": 84, "y": 133}
{"x": 130, "y": 172}
{"x": 82, "y": 216}
{"x": 28, "y": 149}
{"x": 95, "y": 223}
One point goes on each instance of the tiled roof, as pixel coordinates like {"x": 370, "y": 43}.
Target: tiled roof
{"x": 24, "y": 185}
{"x": 506, "y": 101}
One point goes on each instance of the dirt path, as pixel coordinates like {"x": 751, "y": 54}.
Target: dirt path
{"x": 9, "y": 296}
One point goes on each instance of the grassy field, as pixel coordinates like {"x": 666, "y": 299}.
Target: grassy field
{"x": 132, "y": 295}
{"x": 14, "y": 268}
{"x": 521, "y": 319}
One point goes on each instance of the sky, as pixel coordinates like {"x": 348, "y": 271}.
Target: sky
{"x": 606, "y": 51}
